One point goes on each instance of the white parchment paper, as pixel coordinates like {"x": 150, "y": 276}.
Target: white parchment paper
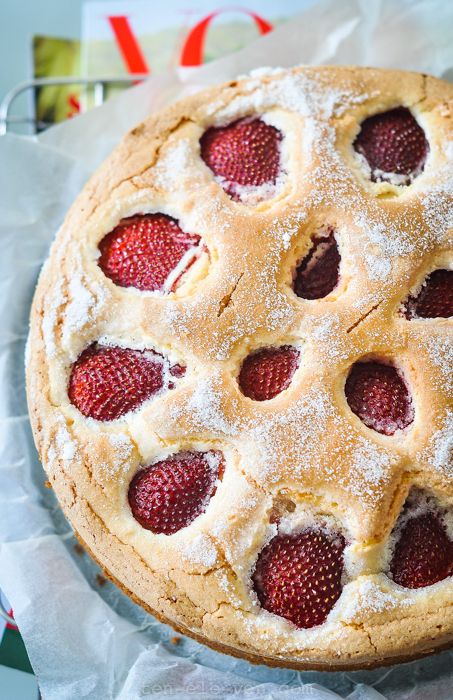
{"x": 87, "y": 640}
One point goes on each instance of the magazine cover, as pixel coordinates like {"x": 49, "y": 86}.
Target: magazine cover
{"x": 134, "y": 37}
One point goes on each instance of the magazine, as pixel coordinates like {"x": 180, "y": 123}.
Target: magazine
{"x": 122, "y": 38}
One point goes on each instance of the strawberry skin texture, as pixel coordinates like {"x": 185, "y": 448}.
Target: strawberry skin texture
{"x": 143, "y": 250}
{"x": 435, "y": 299}
{"x": 378, "y": 395}
{"x": 106, "y": 382}
{"x": 298, "y": 576}
{"x": 318, "y": 273}
{"x": 246, "y": 152}
{"x": 423, "y": 554}
{"x": 266, "y": 373}
{"x": 169, "y": 495}
{"x": 392, "y": 143}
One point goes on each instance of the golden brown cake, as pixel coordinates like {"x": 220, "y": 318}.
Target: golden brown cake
{"x": 240, "y": 366}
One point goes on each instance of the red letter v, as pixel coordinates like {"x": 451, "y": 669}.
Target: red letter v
{"x": 128, "y": 45}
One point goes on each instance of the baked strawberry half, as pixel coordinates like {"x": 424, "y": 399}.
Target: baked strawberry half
{"x": 245, "y": 153}
{"x": 298, "y": 576}
{"x": 318, "y": 273}
{"x": 169, "y": 495}
{"x": 108, "y": 381}
{"x": 267, "y": 372}
{"x": 423, "y": 553}
{"x": 149, "y": 252}
{"x": 378, "y": 394}
{"x": 393, "y": 144}
{"x": 435, "y": 298}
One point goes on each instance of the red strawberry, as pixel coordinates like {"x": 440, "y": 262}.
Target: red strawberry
{"x": 266, "y": 373}
{"x": 246, "y": 152}
{"x": 143, "y": 250}
{"x": 317, "y": 275}
{"x": 378, "y": 395}
{"x": 393, "y": 143}
{"x": 107, "y": 382}
{"x": 177, "y": 371}
{"x": 299, "y": 576}
{"x": 435, "y": 299}
{"x": 170, "y": 494}
{"x": 423, "y": 553}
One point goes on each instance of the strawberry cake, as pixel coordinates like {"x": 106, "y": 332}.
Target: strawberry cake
{"x": 240, "y": 366}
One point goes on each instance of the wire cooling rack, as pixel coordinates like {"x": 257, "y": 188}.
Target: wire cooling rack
{"x": 94, "y": 87}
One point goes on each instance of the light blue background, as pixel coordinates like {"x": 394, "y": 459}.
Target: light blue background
{"x": 19, "y": 21}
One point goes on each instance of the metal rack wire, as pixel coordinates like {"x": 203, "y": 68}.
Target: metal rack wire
{"x": 96, "y": 86}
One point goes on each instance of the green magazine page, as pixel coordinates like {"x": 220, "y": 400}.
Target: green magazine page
{"x": 54, "y": 57}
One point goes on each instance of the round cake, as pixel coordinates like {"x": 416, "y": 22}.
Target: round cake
{"x": 240, "y": 366}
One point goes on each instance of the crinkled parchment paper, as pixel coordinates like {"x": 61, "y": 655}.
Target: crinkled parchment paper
{"x": 84, "y": 637}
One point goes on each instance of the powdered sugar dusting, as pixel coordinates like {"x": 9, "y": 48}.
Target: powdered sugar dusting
{"x": 436, "y": 202}
{"x": 251, "y": 195}
{"x": 213, "y": 460}
{"x": 122, "y": 449}
{"x": 370, "y": 596}
{"x": 172, "y": 165}
{"x": 372, "y": 464}
{"x": 267, "y": 308}
{"x": 54, "y": 300}
{"x": 440, "y": 350}
{"x": 228, "y": 587}
{"x": 378, "y": 267}
{"x": 204, "y": 407}
{"x": 178, "y": 320}
{"x": 295, "y": 92}
{"x": 83, "y": 307}
{"x": 439, "y": 453}
{"x": 66, "y": 446}
{"x": 63, "y": 446}
{"x": 327, "y": 337}
{"x": 200, "y": 550}
{"x": 285, "y": 229}
{"x": 303, "y": 422}
{"x": 365, "y": 302}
